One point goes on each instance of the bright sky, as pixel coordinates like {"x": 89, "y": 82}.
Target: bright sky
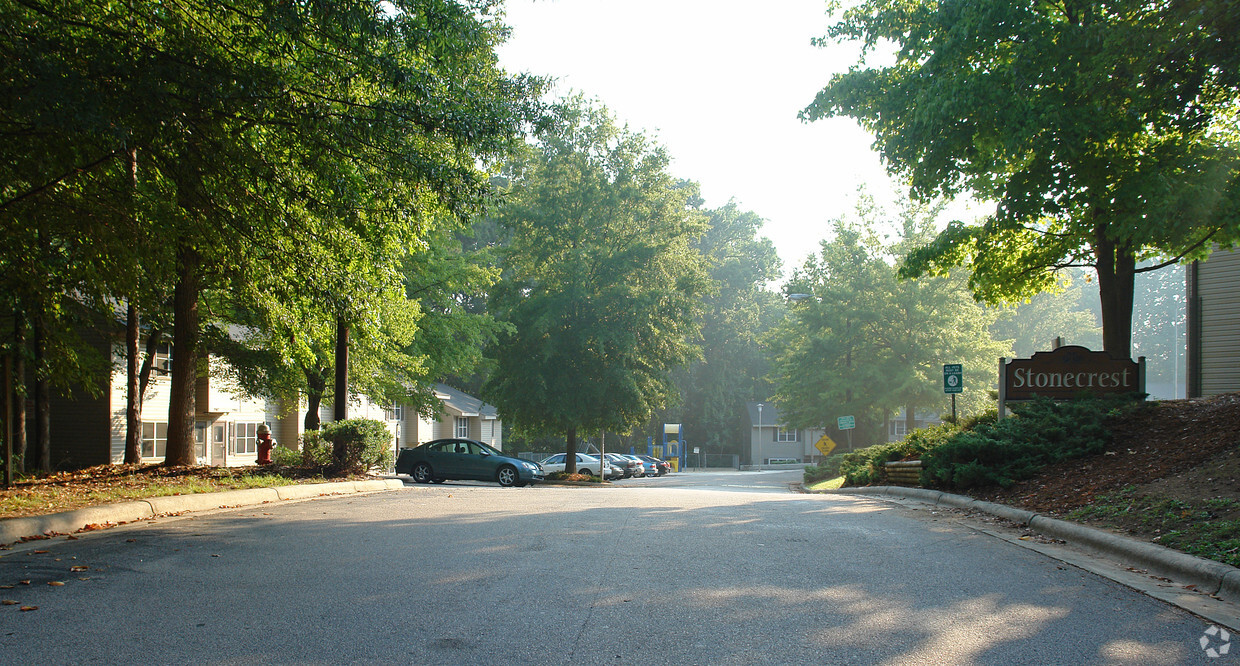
{"x": 719, "y": 83}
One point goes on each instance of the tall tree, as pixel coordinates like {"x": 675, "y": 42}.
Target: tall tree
{"x": 733, "y": 367}
{"x": 602, "y": 287}
{"x": 1103, "y": 132}
{"x": 1030, "y": 327}
{"x": 869, "y": 344}
{"x": 289, "y": 147}
{"x": 404, "y": 339}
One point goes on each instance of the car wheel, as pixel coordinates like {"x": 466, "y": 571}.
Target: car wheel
{"x": 422, "y": 473}
{"x": 507, "y": 476}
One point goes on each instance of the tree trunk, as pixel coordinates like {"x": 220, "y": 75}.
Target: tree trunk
{"x": 340, "y": 402}
{"x": 1116, "y": 268}
{"x": 910, "y": 420}
{"x": 340, "y": 409}
{"x": 6, "y": 389}
{"x": 185, "y": 336}
{"x": 133, "y": 397}
{"x": 18, "y": 394}
{"x": 42, "y": 450}
{"x": 133, "y": 388}
{"x": 570, "y": 452}
{"x": 153, "y": 340}
{"x": 316, "y": 386}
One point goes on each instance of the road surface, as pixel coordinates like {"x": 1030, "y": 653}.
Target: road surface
{"x": 696, "y": 568}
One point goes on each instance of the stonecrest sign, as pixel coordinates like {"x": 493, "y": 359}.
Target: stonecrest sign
{"x": 1068, "y": 372}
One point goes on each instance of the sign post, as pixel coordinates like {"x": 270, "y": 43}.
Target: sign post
{"x": 953, "y": 383}
{"x": 847, "y": 423}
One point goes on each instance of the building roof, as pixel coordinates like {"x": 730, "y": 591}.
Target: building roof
{"x": 463, "y": 404}
{"x": 770, "y": 414}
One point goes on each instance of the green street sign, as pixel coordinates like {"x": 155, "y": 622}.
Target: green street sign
{"x": 846, "y": 423}
{"x": 953, "y": 378}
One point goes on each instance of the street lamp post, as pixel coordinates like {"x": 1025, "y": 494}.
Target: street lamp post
{"x": 758, "y": 462}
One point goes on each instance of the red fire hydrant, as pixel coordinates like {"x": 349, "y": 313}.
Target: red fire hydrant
{"x": 265, "y": 444}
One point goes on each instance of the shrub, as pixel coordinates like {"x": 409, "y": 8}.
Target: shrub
{"x": 989, "y": 416}
{"x": 358, "y": 445}
{"x": 316, "y": 452}
{"x": 866, "y": 466}
{"x": 1041, "y": 433}
{"x": 829, "y": 468}
{"x": 282, "y": 456}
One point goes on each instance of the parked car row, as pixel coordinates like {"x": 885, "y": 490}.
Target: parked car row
{"x": 458, "y": 458}
{"x": 614, "y": 465}
{"x": 636, "y": 465}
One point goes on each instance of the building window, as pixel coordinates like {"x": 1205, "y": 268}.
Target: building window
{"x": 162, "y": 362}
{"x": 247, "y": 438}
{"x": 200, "y": 440}
{"x": 462, "y": 426}
{"x": 154, "y": 439}
{"x": 898, "y": 429}
{"x": 785, "y": 435}
{"x": 394, "y": 413}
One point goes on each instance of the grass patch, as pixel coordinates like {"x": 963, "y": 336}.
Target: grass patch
{"x": 1206, "y": 528}
{"x": 109, "y": 484}
{"x": 828, "y": 484}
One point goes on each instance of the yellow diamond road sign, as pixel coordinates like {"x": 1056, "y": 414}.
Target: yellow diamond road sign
{"x": 825, "y": 444}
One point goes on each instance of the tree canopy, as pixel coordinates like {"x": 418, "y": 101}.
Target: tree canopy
{"x": 1105, "y": 133}
{"x": 866, "y": 343}
{"x": 282, "y": 158}
{"x": 601, "y": 285}
{"x": 736, "y": 313}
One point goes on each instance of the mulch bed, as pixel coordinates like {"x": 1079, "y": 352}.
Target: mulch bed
{"x": 1159, "y": 442}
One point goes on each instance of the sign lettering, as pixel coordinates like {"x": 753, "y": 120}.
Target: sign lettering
{"x": 1068, "y": 372}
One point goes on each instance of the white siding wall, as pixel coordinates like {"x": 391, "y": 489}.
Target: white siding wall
{"x": 492, "y": 433}
{"x": 154, "y": 407}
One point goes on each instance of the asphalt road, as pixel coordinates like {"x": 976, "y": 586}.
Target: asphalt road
{"x": 697, "y": 568}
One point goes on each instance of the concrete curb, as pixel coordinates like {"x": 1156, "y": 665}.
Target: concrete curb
{"x": 1214, "y": 578}
{"x": 13, "y": 530}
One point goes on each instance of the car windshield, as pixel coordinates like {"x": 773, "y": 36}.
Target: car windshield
{"x": 483, "y": 448}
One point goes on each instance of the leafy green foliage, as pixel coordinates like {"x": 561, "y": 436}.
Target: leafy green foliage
{"x": 985, "y": 451}
{"x": 1104, "y": 133}
{"x": 737, "y": 309}
{"x": 1041, "y": 433}
{"x": 1205, "y": 528}
{"x": 601, "y": 286}
{"x": 867, "y": 343}
{"x": 269, "y": 164}
{"x": 1067, "y": 310}
{"x": 828, "y": 468}
{"x": 316, "y": 451}
{"x": 865, "y": 466}
{"x": 358, "y": 445}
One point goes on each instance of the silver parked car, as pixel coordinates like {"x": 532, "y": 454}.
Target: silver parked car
{"x": 586, "y": 464}
{"x": 629, "y": 465}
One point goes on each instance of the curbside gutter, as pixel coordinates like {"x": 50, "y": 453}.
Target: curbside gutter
{"x": 13, "y": 530}
{"x": 1208, "y": 576}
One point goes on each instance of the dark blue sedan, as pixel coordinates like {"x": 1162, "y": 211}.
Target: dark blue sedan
{"x": 456, "y": 458}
